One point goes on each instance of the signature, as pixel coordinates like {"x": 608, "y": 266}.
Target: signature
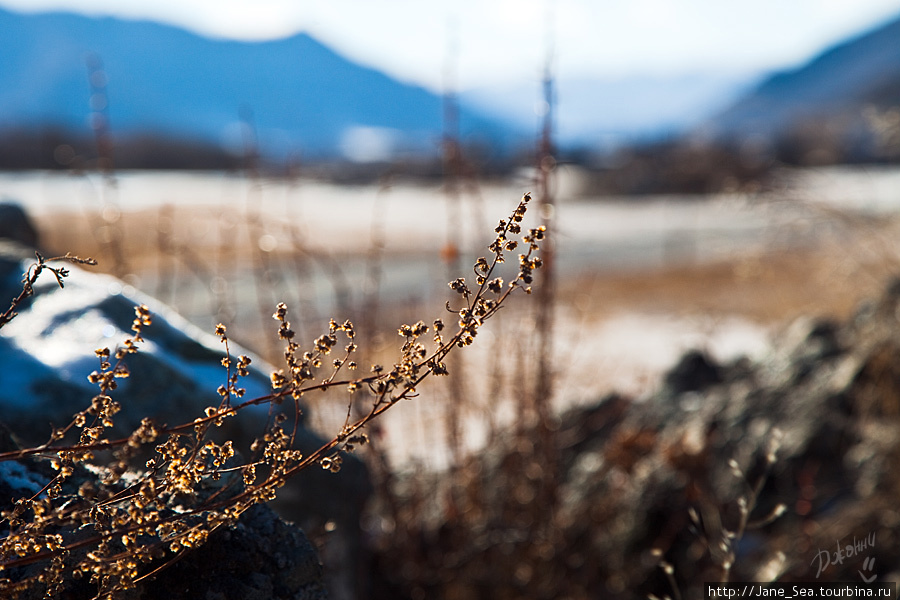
{"x": 825, "y": 558}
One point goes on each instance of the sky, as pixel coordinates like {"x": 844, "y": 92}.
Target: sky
{"x": 503, "y": 41}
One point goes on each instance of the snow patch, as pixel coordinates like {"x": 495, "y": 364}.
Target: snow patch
{"x": 16, "y": 476}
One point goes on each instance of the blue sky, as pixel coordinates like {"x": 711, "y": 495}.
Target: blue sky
{"x": 501, "y": 41}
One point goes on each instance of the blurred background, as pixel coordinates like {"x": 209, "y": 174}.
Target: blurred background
{"x": 680, "y": 134}
{"x": 709, "y": 172}
{"x": 224, "y": 157}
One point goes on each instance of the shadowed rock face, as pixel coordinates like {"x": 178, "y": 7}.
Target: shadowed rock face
{"x": 16, "y": 226}
{"x": 260, "y": 557}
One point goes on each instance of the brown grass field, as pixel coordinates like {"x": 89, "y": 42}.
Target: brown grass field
{"x": 769, "y": 288}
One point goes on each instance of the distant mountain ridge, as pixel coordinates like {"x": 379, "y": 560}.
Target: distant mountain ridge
{"x": 303, "y": 96}
{"x": 838, "y": 85}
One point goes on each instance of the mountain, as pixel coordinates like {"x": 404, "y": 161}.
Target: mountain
{"x": 836, "y": 96}
{"x": 164, "y": 81}
{"x": 604, "y": 112}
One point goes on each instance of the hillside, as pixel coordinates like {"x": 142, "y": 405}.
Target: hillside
{"x": 300, "y": 95}
{"x": 849, "y": 86}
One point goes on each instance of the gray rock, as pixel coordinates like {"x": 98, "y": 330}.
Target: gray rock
{"x": 828, "y": 393}
{"x": 261, "y": 556}
{"x": 47, "y": 352}
{"x": 15, "y": 225}
{"x": 694, "y": 372}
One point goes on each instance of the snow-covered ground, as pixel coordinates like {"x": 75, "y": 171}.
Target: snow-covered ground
{"x": 618, "y": 232}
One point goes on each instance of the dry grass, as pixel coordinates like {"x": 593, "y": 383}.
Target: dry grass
{"x": 772, "y": 287}
{"x": 768, "y": 288}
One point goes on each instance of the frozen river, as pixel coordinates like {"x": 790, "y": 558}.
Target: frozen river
{"x": 594, "y": 232}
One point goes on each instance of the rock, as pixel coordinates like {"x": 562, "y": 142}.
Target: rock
{"x": 259, "y": 557}
{"x": 823, "y": 402}
{"x": 15, "y": 225}
{"x": 694, "y": 372}
{"x": 47, "y": 352}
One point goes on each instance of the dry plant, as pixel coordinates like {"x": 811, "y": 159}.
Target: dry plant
{"x": 488, "y": 526}
{"x": 31, "y": 277}
{"x": 720, "y": 541}
{"x": 114, "y": 512}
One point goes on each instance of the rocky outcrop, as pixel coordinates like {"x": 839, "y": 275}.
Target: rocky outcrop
{"x": 810, "y": 431}
{"x": 47, "y": 353}
{"x": 16, "y": 225}
{"x": 746, "y": 471}
{"x": 48, "y": 350}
